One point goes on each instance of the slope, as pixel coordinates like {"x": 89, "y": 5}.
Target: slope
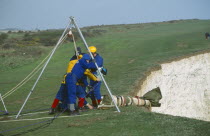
{"x": 129, "y": 51}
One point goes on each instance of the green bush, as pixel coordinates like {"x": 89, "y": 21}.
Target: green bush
{"x": 27, "y": 37}
{"x": 3, "y": 37}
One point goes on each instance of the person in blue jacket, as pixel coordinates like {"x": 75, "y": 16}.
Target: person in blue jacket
{"x": 95, "y": 94}
{"x": 72, "y": 78}
{"x": 62, "y": 92}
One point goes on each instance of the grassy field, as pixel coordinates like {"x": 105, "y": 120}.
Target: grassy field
{"x": 129, "y": 51}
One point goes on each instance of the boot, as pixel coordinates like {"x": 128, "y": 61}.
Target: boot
{"x": 74, "y": 113}
{"x": 52, "y": 111}
{"x": 82, "y": 109}
{"x": 94, "y": 104}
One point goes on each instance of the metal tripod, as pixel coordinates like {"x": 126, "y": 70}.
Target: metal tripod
{"x": 64, "y": 34}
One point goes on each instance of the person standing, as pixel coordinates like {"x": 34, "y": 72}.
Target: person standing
{"x": 95, "y": 94}
{"x": 62, "y": 92}
{"x": 72, "y": 78}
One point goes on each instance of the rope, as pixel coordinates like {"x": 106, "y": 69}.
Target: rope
{"x": 49, "y": 121}
{"x": 24, "y": 126}
{"x": 18, "y": 120}
{"x": 75, "y": 45}
{"x": 30, "y": 113}
{"x": 26, "y": 112}
{"x": 27, "y": 78}
{"x": 56, "y": 116}
{"x": 137, "y": 97}
{"x": 31, "y": 74}
{"x": 3, "y": 113}
{"x": 42, "y": 71}
{"x": 20, "y": 84}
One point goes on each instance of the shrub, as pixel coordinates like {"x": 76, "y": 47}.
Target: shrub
{"x": 27, "y": 37}
{"x": 3, "y": 37}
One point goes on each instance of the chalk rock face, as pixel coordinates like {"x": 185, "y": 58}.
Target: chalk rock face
{"x": 185, "y": 87}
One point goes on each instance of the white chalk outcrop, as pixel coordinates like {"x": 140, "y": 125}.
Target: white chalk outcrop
{"x": 185, "y": 87}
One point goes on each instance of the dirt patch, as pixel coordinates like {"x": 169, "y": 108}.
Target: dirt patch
{"x": 131, "y": 61}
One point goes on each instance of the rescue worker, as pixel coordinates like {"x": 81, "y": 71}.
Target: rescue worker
{"x": 80, "y": 93}
{"x": 95, "y": 94}
{"x": 62, "y": 92}
{"x": 72, "y": 78}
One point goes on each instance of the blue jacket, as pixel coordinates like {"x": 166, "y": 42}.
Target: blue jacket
{"x": 99, "y": 61}
{"x": 80, "y": 67}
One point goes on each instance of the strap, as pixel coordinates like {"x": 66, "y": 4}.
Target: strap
{"x": 122, "y": 102}
{"x": 123, "y": 98}
{"x": 130, "y": 101}
{"x": 118, "y": 100}
{"x": 137, "y": 99}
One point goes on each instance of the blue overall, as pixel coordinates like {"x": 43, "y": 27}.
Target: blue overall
{"x": 60, "y": 94}
{"x": 80, "y": 90}
{"x": 96, "y": 93}
{"x": 73, "y": 77}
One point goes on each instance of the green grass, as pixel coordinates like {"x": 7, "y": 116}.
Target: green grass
{"x": 131, "y": 121}
{"x": 129, "y": 51}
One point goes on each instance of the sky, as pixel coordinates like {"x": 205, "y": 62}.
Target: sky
{"x": 54, "y": 14}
